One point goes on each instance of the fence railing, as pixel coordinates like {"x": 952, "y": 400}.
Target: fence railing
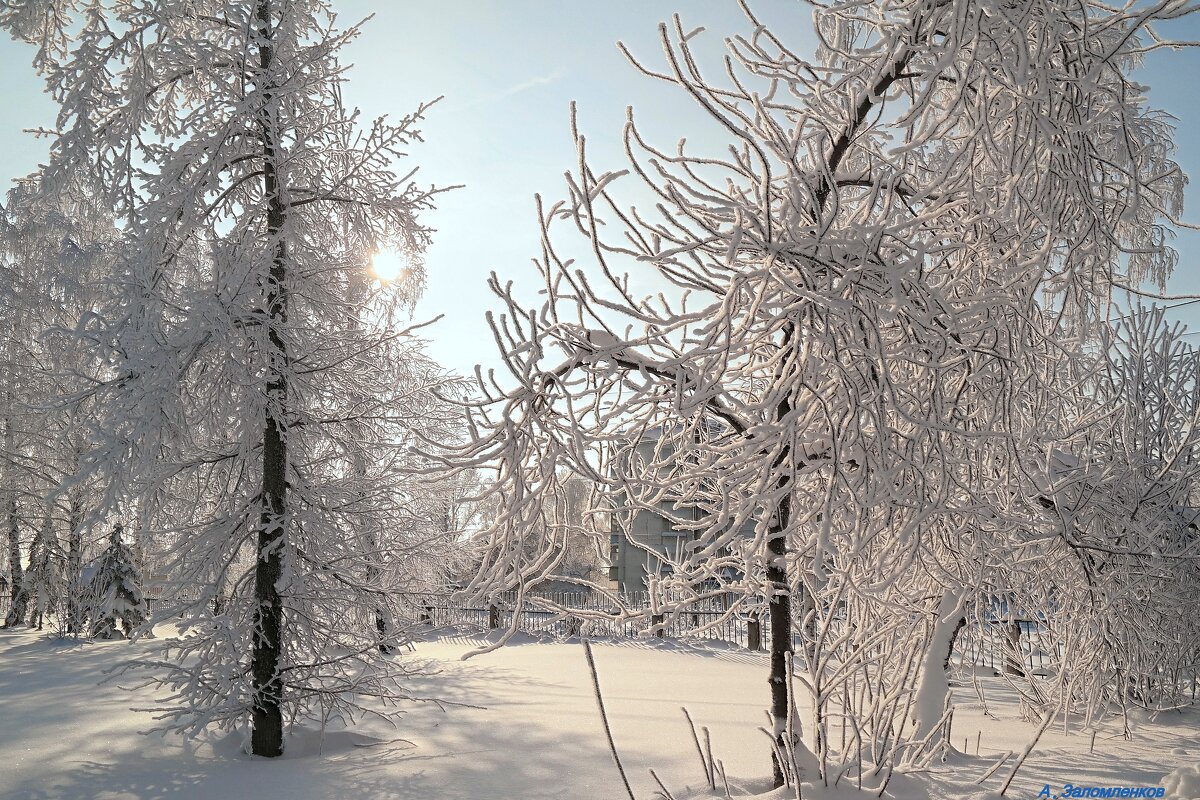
{"x": 987, "y": 643}
{"x": 998, "y": 644}
{"x": 597, "y": 616}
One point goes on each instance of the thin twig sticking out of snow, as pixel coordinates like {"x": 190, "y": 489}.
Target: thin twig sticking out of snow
{"x": 666, "y": 794}
{"x": 1028, "y": 750}
{"x": 712, "y": 769}
{"x": 612, "y": 747}
{"x": 699, "y": 751}
{"x": 724, "y": 778}
{"x": 995, "y": 767}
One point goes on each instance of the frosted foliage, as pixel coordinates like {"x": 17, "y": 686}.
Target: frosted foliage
{"x": 238, "y": 318}
{"x": 114, "y": 591}
{"x": 910, "y": 246}
{"x": 43, "y": 576}
{"x": 1111, "y": 549}
{"x": 57, "y": 246}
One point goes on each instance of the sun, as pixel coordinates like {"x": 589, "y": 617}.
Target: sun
{"x": 389, "y": 266}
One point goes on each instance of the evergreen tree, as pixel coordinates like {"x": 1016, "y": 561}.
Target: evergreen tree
{"x": 255, "y": 389}
{"x": 114, "y": 591}
{"x": 60, "y": 244}
{"x": 44, "y": 575}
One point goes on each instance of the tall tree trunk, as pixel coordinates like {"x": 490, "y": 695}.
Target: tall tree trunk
{"x": 74, "y": 582}
{"x": 1012, "y": 653}
{"x": 779, "y": 612}
{"x": 779, "y": 606}
{"x": 383, "y": 627}
{"x": 267, "y": 722}
{"x": 35, "y": 577}
{"x": 933, "y": 686}
{"x": 19, "y": 592}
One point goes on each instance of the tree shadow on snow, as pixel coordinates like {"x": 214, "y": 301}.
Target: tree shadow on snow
{"x": 483, "y": 762}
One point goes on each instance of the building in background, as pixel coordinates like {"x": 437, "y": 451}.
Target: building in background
{"x": 653, "y": 541}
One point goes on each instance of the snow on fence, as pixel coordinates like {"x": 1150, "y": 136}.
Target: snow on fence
{"x": 1012, "y": 646}
{"x": 990, "y": 643}
{"x": 711, "y": 620}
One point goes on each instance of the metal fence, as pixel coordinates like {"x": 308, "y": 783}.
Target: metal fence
{"x": 574, "y": 613}
{"x": 1013, "y": 646}
{"x": 987, "y": 644}
{"x": 991, "y": 643}
{"x": 552, "y": 613}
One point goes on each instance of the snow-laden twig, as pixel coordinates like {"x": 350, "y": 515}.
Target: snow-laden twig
{"x": 612, "y": 747}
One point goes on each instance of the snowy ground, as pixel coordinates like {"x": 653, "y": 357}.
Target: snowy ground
{"x": 538, "y": 735}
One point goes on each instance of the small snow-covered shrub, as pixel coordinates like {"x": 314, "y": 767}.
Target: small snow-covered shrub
{"x": 114, "y": 591}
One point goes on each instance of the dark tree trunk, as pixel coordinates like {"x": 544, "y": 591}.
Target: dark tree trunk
{"x": 267, "y": 723}
{"x": 385, "y": 633}
{"x": 19, "y": 592}
{"x": 753, "y": 634}
{"x": 958, "y": 626}
{"x": 75, "y": 565}
{"x": 1012, "y": 656}
{"x": 779, "y": 605}
{"x": 219, "y": 599}
{"x": 33, "y": 575}
{"x": 383, "y": 628}
{"x": 18, "y": 597}
{"x": 779, "y": 614}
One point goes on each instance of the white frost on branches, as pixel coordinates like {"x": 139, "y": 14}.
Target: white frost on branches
{"x": 253, "y": 394}
{"x": 909, "y": 247}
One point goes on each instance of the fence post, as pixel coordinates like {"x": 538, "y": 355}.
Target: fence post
{"x": 656, "y": 620}
{"x": 753, "y": 634}
{"x": 493, "y": 616}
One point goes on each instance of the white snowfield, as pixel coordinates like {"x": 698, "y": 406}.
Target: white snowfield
{"x": 535, "y": 733}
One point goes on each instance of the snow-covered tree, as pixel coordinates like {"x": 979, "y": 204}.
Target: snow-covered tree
{"x": 114, "y": 591}
{"x": 848, "y": 295}
{"x": 43, "y": 577}
{"x": 19, "y": 595}
{"x": 257, "y": 388}
{"x": 59, "y": 243}
{"x": 567, "y": 517}
{"x": 1116, "y": 522}
{"x": 17, "y": 424}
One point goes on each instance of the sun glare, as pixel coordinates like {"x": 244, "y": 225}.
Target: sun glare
{"x": 389, "y": 266}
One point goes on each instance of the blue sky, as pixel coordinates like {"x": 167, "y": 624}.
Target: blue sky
{"x": 507, "y": 71}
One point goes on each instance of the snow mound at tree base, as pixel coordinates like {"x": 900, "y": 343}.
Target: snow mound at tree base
{"x": 311, "y": 742}
{"x": 1183, "y": 783}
